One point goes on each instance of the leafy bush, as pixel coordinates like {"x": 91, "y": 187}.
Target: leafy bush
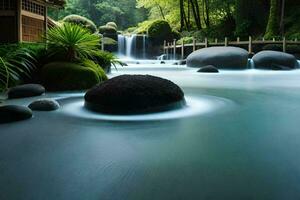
{"x": 107, "y": 30}
{"x": 106, "y": 59}
{"x": 16, "y": 64}
{"x": 185, "y": 40}
{"x": 82, "y": 21}
{"x": 71, "y": 42}
{"x": 112, "y": 24}
{"x": 59, "y": 76}
{"x": 160, "y": 29}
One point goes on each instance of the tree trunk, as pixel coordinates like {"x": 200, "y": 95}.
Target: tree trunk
{"x": 195, "y": 9}
{"x": 273, "y": 21}
{"x": 282, "y": 17}
{"x": 161, "y": 11}
{"x": 181, "y": 15}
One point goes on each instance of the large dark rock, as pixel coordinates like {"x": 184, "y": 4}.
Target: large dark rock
{"x": 221, "y": 57}
{"x": 129, "y": 94}
{"x": 44, "y": 105}
{"x": 208, "y": 69}
{"x": 13, "y": 113}
{"x": 273, "y": 59}
{"x": 27, "y": 90}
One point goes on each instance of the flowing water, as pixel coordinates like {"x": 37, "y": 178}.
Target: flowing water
{"x": 130, "y": 47}
{"x": 238, "y": 138}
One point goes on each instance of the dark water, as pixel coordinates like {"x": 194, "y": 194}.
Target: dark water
{"x": 245, "y": 146}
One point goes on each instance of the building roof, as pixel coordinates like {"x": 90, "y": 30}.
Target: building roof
{"x": 54, "y": 3}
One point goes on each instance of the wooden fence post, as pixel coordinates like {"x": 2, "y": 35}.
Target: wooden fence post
{"x": 238, "y": 40}
{"x": 182, "y": 50}
{"x": 102, "y": 42}
{"x": 250, "y": 45}
{"x": 167, "y": 51}
{"x": 174, "y": 49}
{"x": 194, "y": 44}
{"x": 284, "y": 45}
{"x": 226, "y": 41}
{"x": 206, "y": 42}
{"x": 216, "y": 40}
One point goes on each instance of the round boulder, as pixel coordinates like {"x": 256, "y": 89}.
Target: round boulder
{"x": 44, "y": 105}
{"x": 208, "y": 69}
{"x": 27, "y": 90}
{"x": 130, "y": 94}
{"x": 13, "y": 113}
{"x": 273, "y": 59}
{"x": 221, "y": 57}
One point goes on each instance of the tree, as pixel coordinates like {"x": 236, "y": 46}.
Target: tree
{"x": 273, "y": 21}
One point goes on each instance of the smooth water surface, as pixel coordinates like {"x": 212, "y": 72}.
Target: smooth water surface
{"x": 245, "y": 146}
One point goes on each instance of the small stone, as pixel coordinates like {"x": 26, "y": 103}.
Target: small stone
{"x": 208, "y": 69}
{"x": 13, "y": 113}
{"x": 27, "y": 90}
{"x": 44, "y": 105}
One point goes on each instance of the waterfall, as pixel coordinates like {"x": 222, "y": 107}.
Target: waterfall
{"x": 133, "y": 46}
{"x": 121, "y": 45}
{"x": 130, "y": 45}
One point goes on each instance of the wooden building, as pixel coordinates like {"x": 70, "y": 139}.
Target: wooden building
{"x": 24, "y": 20}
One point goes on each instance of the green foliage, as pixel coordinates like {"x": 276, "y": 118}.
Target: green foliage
{"x": 72, "y": 42}
{"x": 159, "y": 29}
{"x": 82, "y": 21}
{"x": 107, "y": 30}
{"x": 106, "y": 59}
{"x": 112, "y": 24}
{"x": 59, "y": 76}
{"x": 16, "y": 64}
{"x": 185, "y": 40}
{"x": 103, "y": 11}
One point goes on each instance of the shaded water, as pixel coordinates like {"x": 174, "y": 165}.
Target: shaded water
{"x": 246, "y": 146}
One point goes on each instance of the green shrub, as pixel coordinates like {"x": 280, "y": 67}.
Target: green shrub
{"x": 160, "y": 29}
{"x": 176, "y": 35}
{"x": 58, "y": 76}
{"x": 107, "y": 30}
{"x": 82, "y": 21}
{"x": 185, "y": 40}
{"x": 71, "y": 42}
{"x": 17, "y": 64}
{"x": 112, "y": 24}
{"x": 105, "y": 60}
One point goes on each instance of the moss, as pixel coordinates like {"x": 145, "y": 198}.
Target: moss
{"x": 107, "y": 30}
{"x": 77, "y": 19}
{"x": 112, "y": 24}
{"x": 59, "y": 76}
{"x": 160, "y": 29}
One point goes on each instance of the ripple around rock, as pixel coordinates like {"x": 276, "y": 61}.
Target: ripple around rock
{"x": 131, "y": 94}
{"x": 27, "y": 90}
{"x": 275, "y": 60}
{"x": 44, "y": 105}
{"x": 13, "y": 113}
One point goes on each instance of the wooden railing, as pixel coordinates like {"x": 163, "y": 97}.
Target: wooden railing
{"x": 171, "y": 48}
